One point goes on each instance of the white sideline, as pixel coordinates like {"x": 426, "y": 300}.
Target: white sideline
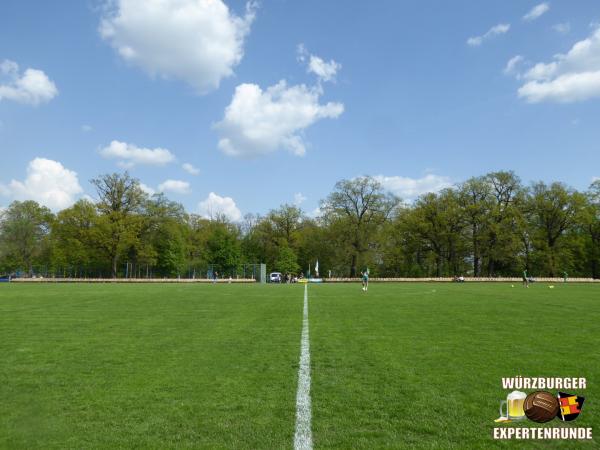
{"x": 303, "y": 435}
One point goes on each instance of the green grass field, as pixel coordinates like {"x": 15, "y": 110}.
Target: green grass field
{"x": 415, "y": 365}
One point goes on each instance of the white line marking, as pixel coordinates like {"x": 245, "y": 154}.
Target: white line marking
{"x": 303, "y": 436}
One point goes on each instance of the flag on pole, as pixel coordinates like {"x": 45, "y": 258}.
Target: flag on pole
{"x": 317, "y": 268}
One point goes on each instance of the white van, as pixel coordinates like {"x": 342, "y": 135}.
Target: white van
{"x": 275, "y": 277}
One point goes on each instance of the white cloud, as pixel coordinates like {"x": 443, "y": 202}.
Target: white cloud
{"x": 562, "y": 28}
{"x": 32, "y": 87}
{"x": 147, "y": 189}
{"x": 190, "y": 169}
{"x": 496, "y": 30}
{"x": 410, "y": 188}
{"x": 570, "y": 77}
{"x": 299, "y": 198}
{"x": 536, "y": 12}
{"x": 130, "y": 155}
{"x": 512, "y": 64}
{"x": 315, "y": 213}
{"x": 214, "y": 205}
{"x": 324, "y": 70}
{"x": 566, "y": 88}
{"x": 258, "y": 122}
{"x": 197, "y": 41}
{"x": 48, "y": 182}
{"x": 175, "y": 186}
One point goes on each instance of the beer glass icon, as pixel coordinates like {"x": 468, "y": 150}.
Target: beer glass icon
{"x": 514, "y": 406}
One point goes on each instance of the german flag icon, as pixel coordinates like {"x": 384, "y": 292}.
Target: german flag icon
{"x": 570, "y": 406}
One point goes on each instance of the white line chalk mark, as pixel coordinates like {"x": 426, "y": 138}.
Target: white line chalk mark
{"x": 303, "y": 435}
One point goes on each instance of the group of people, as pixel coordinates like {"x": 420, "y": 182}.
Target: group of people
{"x": 291, "y": 278}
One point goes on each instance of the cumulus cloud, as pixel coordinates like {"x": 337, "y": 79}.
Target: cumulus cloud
{"x": 299, "y": 198}
{"x": 536, "y": 12}
{"x": 324, "y": 70}
{"x": 48, "y": 182}
{"x": 411, "y": 188}
{"x": 214, "y": 205}
{"x": 175, "y": 186}
{"x": 190, "y": 169}
{"x": 570, "y": 77}
{"x": 197, "y": 41}
{"x": 258, "y": 122}
{"x": 31, "y": 87}
{"x": 147, "y": 189}
{"x": 128, "y": 155}
{"x": 496, "y": 30}
{"x": 511, "y": 67}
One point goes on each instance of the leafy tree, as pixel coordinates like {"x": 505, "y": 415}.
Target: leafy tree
{"x": 358, "y": 207}
{"x": 315, "y": 244}
{"x": 487, "y": 225}
{"x": 120, "y": 200}
{"x": 502, "y": 241}
{"x": 431, "y": 221}
{"x": 555, "y": 209}
{"x": 590, "y": 220}
{"x": 73, "y": 237}
{"x": 223, "y": 247}
{"x": 474, "y": 199}
{"x": 163, "y": 237}
{"x": 287, "y": 221}
{"x": 287, "y": 261}
{"x": 24, "y": 228}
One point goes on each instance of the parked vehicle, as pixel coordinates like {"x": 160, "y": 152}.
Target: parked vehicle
{"x": 275, "y": 277}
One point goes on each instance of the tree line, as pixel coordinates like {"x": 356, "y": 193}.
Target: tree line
{"x": 491, "y": 225}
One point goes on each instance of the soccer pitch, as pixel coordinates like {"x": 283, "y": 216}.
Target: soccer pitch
{"x": 413, "y": 365}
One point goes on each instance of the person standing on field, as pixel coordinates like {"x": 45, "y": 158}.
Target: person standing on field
{"x": 525, "y": 278}
{"x": 365, "y": 281}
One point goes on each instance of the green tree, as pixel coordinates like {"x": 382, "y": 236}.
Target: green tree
{"x": 24, "y": 229}
{"x": 474, "y": 199}
{"x": 120, "y": 201}
{"x": 501, "y": 238}
{"x": 555, "y": 210}
{"x": 357, "y": 208}
{"x": 287, "y": 221}
{"x": 223, "y": 247}
{"x": 287, "y": 261}
{"x": 73, "y": 238}
{"x": 437, "y": 222}
{"x": 591, "y": 224}
{"x": 163, "y": 237}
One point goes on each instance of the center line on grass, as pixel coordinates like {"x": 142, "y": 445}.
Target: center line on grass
{"x": 303, "y": 435}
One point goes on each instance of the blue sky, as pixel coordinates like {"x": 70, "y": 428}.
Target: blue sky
{"x": 417, "y": 93}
